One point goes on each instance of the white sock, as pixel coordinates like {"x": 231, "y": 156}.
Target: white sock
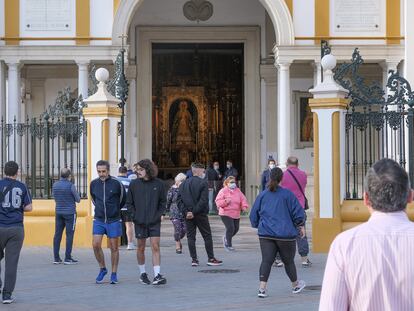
{"x": 141, "y": 268}
{"x": 157, "y": 270}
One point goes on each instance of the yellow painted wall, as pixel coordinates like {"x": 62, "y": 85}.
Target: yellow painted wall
{"x": 40, "y": 225}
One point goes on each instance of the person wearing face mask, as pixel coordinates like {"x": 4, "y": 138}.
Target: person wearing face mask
{"x": 230, "y": 201}
{"x": 230, "y": 170}
{"x": 193, "y": 193}
{"x": 214, "y": 185}
{"x": 271, "y": 164}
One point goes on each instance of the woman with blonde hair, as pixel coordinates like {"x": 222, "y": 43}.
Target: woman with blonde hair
{"x": 230, "y": 202}
{"x": 176, "y": 212}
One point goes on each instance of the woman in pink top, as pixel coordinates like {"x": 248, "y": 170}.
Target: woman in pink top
{"x": 230, "y": 202}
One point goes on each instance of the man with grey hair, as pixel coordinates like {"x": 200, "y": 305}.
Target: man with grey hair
{"x": 66, "y": 196}
{"x": 193, "y": 193}
{"x": 370, "y": 267}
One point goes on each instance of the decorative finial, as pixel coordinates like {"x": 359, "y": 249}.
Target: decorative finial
{"x": 102, "y": 75}
{"x": 123, "y": 36}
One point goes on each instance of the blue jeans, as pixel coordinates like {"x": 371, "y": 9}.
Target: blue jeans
{"x": 62, "y": 221}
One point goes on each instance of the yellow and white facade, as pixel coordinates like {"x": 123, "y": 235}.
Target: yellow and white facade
{"x": 48, "y": 45}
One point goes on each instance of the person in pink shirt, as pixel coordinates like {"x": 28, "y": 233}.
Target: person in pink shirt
{"x": 370, "y": 267}
{"x": 295, "y": 180}
{"x": 230, "y": 202}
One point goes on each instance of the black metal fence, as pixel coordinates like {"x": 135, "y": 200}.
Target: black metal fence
{"x": 378, "y": 124}
{"x": 43, "y": 146}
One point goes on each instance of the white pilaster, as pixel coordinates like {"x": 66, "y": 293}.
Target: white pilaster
{"x": 13, "y": 92}
{"x": 284, "y": 113}
{"x": 263, "y": 122}
{"x": 83, "y": 79}
{"x": 2, "y": 90}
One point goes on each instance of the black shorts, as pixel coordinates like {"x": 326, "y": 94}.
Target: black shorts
{"x": 126, "y": 217}
{"x": 143, "y": 231}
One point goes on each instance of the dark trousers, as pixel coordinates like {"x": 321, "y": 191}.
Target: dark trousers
{"x": 201, "y": 222}
{"x": 232, "y": 227}
{"x": 286, "y": 249}
{"x": 62, "y": 222}
{"x": 11, "y": 242}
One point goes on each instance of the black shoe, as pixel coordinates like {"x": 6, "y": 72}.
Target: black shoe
{"x": 159, "y": 280}
{"x": 195, "y": 263}
{"x": 144, "y": 279}
{"x": 70, "y": 261}
{"x": 7, "y": 298}
{"x": 214, "y": 262}
{"x": 57, "y": 261}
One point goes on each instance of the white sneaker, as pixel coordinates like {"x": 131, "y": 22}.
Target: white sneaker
{"x": 262, "y": 293}
{"x": 278, "y": 263}
{"x": 131, "y": 247}
{"x": 298, "y": 288}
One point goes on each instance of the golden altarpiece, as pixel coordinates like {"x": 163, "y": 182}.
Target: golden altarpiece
{"x": 197, "y": 104}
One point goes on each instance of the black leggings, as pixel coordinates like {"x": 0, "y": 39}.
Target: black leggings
{"x": 232, "y": 227}
{"x": 286, "y": 249}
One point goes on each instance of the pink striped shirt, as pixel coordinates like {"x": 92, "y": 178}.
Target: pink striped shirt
{"x": 371, "y": 267}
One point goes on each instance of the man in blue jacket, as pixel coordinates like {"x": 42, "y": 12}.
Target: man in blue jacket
{"x": 108, "y": 196}
{"x": 66, "y": 196}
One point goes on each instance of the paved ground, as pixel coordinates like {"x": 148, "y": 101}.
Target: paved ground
{"x": 44, "y": 286}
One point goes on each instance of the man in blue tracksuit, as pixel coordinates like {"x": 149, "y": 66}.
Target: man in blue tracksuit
{"x": 66, "y": 196}
{"x": 108, "y": 196}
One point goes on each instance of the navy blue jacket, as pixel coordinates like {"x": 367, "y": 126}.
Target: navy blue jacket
{"x": 277, "y": 214}
{"x": 265, "y": 178}
{"x": 108, "y": 197}
{"x": 66, "y": 197}
{"x": 14, "y": 202}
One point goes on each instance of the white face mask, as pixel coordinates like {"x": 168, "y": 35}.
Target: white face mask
{"x": 216, "y": 167}
{"x": 228, "y": 165}
{"x": 202, "y": 176}
{"x": 232, "y": 185}
{"x": 272, "y": 166}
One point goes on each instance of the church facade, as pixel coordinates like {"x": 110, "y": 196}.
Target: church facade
{"x": 208, "y": 80}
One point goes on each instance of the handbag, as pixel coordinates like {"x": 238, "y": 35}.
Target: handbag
{"x": 300, "y": 188}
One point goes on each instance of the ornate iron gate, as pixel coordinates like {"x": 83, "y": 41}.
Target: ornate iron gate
{"x": 378, "y": 123}
{"x": 43, "y": 146}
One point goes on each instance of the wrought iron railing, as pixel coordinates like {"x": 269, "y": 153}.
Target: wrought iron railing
{"x": 43, "y": 146}
{"x": 378, "y": 124}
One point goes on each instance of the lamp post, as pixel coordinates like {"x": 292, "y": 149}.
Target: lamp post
{"x": 121, "y": 92}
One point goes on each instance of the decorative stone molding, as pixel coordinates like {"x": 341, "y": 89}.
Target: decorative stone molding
{"x": 198, "y": 10}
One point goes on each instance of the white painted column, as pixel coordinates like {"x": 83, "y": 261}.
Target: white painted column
{"x": 13, "y": 92}
{"x": 284, "y": 113}
{"x": 328, "y": 97}
{"x": 132, "y": 142}
{"x": 409, "y": 41}
{"x": 2, "y": 90}
{"x": 83, "y": 79}
{"x": 317, "y": 73}
{"x": 263, "y": 123}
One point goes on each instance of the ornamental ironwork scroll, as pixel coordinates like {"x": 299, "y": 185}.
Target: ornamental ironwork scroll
{"x": 378, "y": 123}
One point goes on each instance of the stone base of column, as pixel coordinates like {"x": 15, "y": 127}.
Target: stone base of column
{"x": 324, "y": 231}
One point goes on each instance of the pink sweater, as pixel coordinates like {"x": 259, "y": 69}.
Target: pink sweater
{"x": 289, "y": 183}
{"x": 238, "y": 202}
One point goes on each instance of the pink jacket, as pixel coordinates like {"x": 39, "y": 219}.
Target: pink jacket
{"x": 289, "y": 183}
{"x": 238, "y": 202}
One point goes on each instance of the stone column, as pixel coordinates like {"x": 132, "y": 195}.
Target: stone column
{"x": 2, "y": 90}
{"x": 83, "y": 79}
{"x": 13, "y": 102}
{"x": 328, "y": 107}
{"x": 317, "y": 73}
{"x": 284, "y": 133}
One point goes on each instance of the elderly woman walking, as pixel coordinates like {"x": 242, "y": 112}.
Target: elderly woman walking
{"x": 230, "y": 201}
{"x": 278, "y": 216}
{"x": 176, "y": 212}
